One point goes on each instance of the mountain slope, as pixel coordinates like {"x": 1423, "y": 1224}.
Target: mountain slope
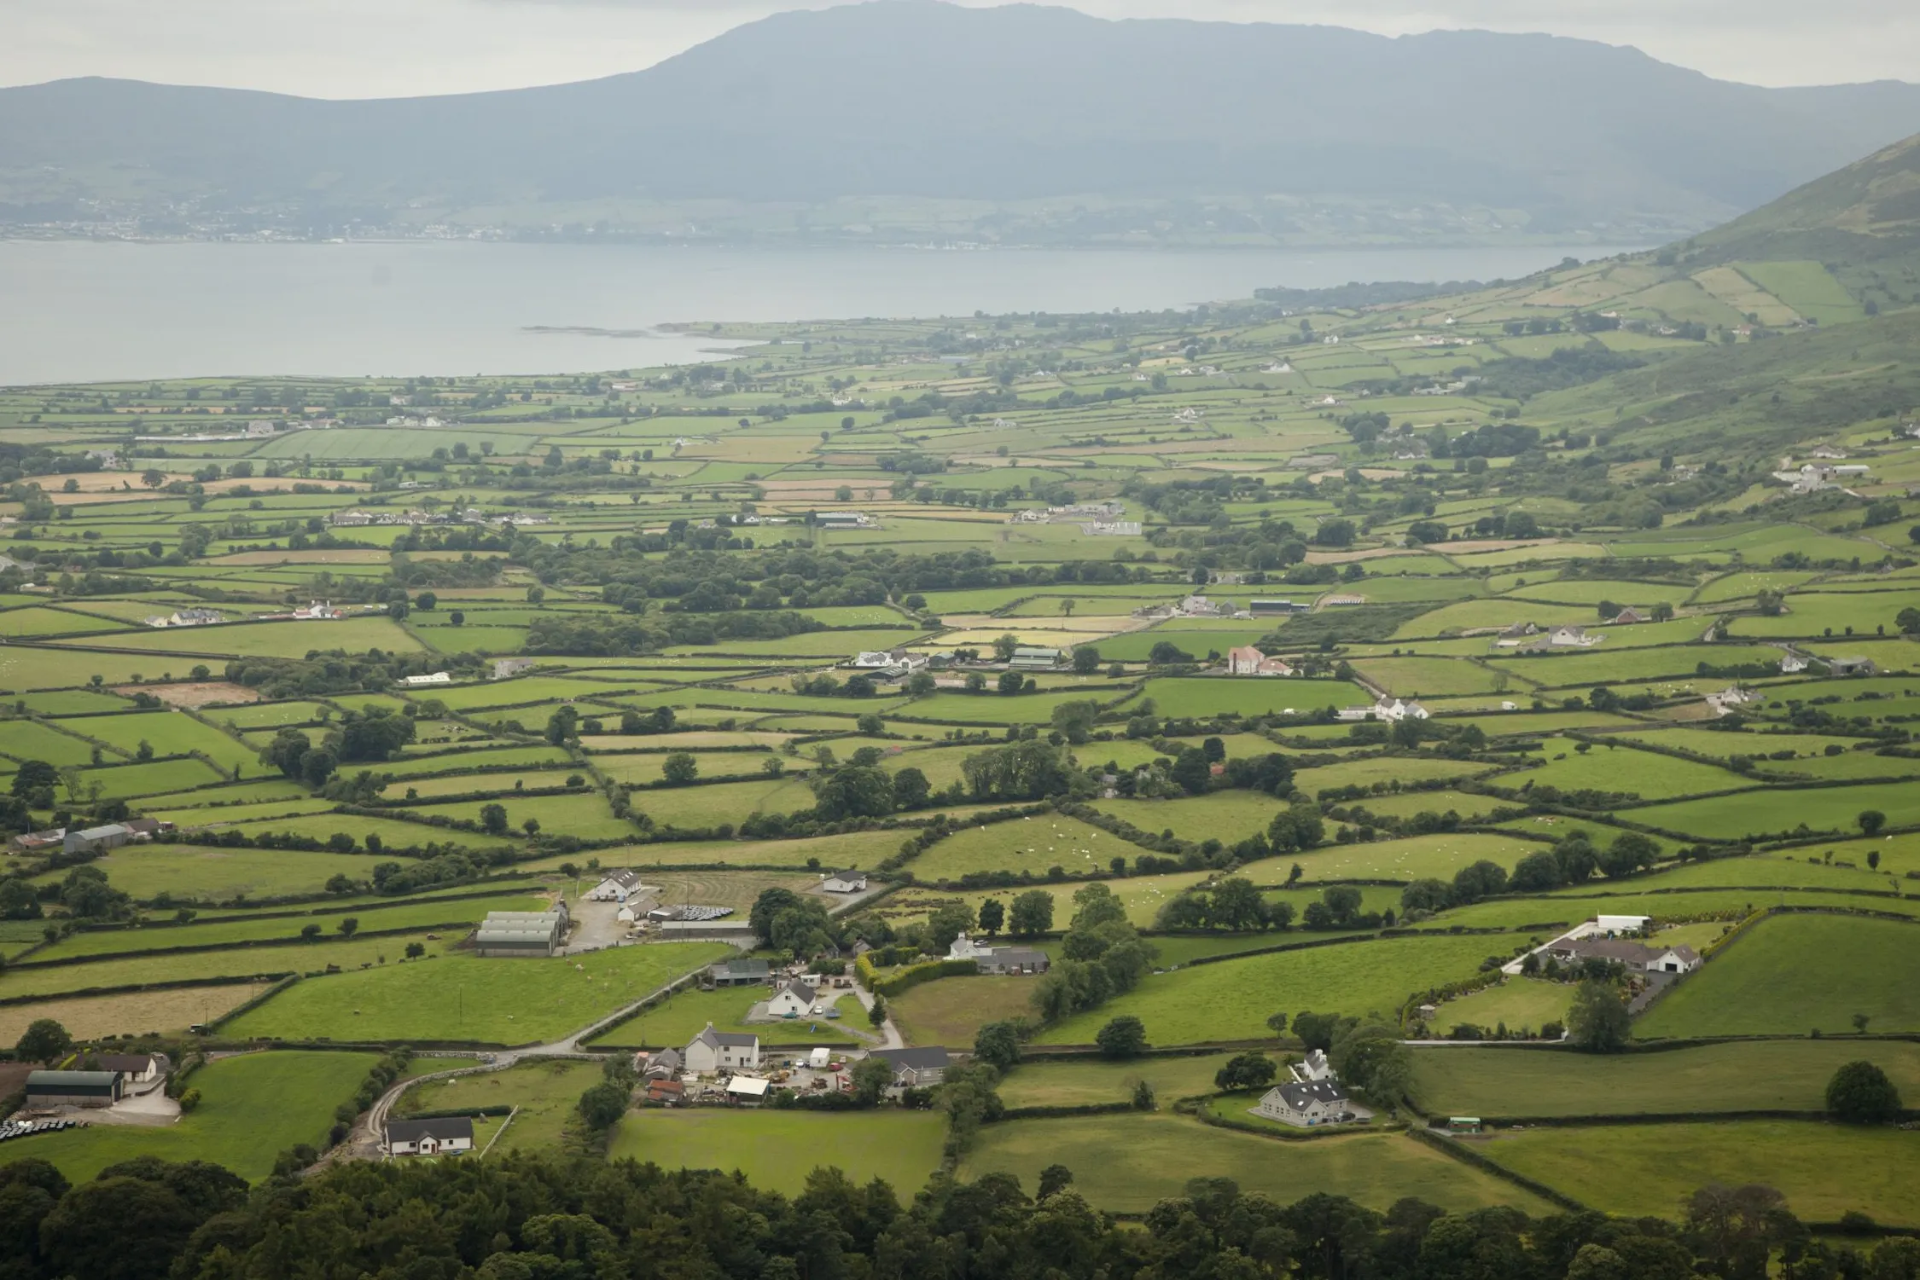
{"x": 1866, "y": 212}
{"x": 910, "y": 98}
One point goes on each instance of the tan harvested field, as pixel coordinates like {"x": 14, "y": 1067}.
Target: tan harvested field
{"x": 168, "y": 1012}
{"x": 201, "y": 694}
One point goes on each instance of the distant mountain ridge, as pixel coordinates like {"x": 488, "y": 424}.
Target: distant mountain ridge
{"x": 923, "y": 101}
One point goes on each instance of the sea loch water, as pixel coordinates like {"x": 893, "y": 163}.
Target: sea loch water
{"x": 73, "y": 311}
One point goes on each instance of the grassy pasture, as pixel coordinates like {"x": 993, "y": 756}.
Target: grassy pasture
{"x": 1647, "y": 1169}
{"x": 271, "y": 639}
{"x": 1408, "y": 803}
{"x": 268, "y": 715}
{"x": 1385, "y": 769}
{"x": 1409, "y": 858}
{"x": 1142, "y": 895}
{"x": 952, "y": 1010}
{"x": 1231, "y": 1000}
{"x": 1610, "y": 767}
{"x": 1127, "y": 1163}
{"x": 155, "y": 778}
{"x": 1831, "y": 809}
{"x": 26, "y": 740}
{"x": 170, "y": 733}
{"x": 253, "y": 1107}
{"x": 242, "y": 962}
{"x": 1765, "y": 1075}
{"x": 1024, "y": 844}
{"x": 1227, "y": 816}
{"x": 201, "y": 873}
{"x": 470, "y": 998}
{"x": 778, "y": 1149}
{"x": 1790, "y": 974}
{"x": 395, "y": 834}
{"x": 1078, "y": 1082}
{"x": 1211, "y": 696}
{"x": 1428, "y": 677}
{"x": 422, "y": 915}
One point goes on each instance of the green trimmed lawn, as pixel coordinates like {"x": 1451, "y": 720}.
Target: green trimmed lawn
{"x": 679, "y": 1018}
{"x": 1789, "y": 974}
{"x": 951, "y": 1011}
{"x": 252, "y": 1108}
{"x": 465, "y": 997}
{"x": 1648, "y": 1169}
{"x": 778, "y": 1149}
{"x": 545, "y": 1092}
{"x": 1128, "y": 1163}
{"x": 1518, "y": 1003}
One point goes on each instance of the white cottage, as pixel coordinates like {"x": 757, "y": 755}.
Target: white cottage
{"x": 794, "y": 1000}
{"x": 441, "y": 1136}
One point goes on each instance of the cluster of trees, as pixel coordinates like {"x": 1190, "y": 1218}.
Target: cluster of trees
{"x": 1031, "y": 769}
{"x": 1101, "y": 956}
{"x": 1232, "y": 904}
{"x": 1574, "y": 859}
{"x": 323, "y": 674}
{"x": 524, "y": 1217}
{"x": 862, "y": 789}
{"x": 371, "y": 736}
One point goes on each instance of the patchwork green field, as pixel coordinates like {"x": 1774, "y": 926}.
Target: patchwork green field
{"x": 1772, "y": 1075}
{"x": 1231, "y": 1000}
{"x": 1792, "y": 974}
{"x": 1649, "y": 1169}
{"x": 778, "y": 1150}
{"x": 469, "y": 998}
{"x": 1127, "y": 1163}
{"x": 583, "y": 617}
{"x": 254, "y": 1107}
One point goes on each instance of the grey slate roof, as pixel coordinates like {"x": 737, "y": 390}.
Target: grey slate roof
{"x": 443, "y": 1129}
{"x": 920, "y": 1059}
{"x": 1299, "y": 1096}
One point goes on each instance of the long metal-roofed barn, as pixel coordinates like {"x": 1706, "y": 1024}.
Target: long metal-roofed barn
{"x": 522, "y": 933}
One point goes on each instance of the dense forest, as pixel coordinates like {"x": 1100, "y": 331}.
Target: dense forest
{"x": 528, "y": 1218}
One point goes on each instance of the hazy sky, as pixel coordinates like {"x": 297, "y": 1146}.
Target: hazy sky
{"x": 369, "y": 48}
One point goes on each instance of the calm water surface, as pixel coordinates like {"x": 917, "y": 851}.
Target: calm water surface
{"x": 73, "y": 311}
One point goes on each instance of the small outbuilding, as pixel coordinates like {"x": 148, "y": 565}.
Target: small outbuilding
{"x": 851, "y": 881}
{"x": 747, "y": 1089}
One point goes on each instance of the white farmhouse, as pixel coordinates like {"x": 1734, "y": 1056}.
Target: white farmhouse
{"x": 713, "y": 1051}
